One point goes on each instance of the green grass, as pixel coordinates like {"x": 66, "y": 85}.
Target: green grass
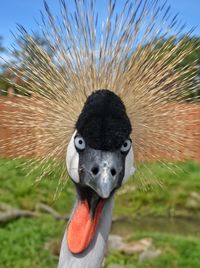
{"x": 27, "y": 243}
{"x": 35, "y": 242}
{"x": 171, "y": 199}
{"x": 18, "y": 189}
{"x": 176, "y": 252}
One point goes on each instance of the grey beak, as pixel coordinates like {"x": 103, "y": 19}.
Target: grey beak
{"x": 103, "y": 178}
{"x": 102, "y": 171}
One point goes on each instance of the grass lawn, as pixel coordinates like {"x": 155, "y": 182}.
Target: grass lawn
{"x": 176, "y": 252}
{"x": 34, "y": 242}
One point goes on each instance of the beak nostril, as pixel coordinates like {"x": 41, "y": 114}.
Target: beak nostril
{"x": 113, "y": 172}
{"x": 95, "y": 170}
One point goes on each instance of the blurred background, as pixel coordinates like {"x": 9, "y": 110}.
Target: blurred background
{"x": 153, "y": 226}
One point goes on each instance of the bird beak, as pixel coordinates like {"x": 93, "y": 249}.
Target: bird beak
{"x": 102, "y": 171}
{"x": 104, "y": 183}
{"x": 99, "y": 174}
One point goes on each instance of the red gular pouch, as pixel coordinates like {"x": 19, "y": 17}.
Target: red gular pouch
{"x": 82, "y": 227}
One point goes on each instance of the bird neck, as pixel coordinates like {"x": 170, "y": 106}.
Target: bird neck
{"x": 93, "y": 256}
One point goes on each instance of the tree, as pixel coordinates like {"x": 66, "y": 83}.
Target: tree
{"x": 3, "y": 83}
{"x": 192, "y": 60}
{"x": 2, "y": 49}
{"x": 26, "y": 50}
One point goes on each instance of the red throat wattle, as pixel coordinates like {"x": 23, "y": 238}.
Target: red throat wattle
{"x": 82, "y": 227}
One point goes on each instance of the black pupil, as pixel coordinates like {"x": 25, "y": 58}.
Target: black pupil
{"x": 80, "y": 142}
{"x": 125, "y": 144}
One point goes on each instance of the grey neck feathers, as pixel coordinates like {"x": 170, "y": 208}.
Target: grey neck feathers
{"x": 93, "y": 256}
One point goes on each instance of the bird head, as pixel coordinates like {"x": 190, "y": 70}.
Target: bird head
{"x": 99, "y": 160}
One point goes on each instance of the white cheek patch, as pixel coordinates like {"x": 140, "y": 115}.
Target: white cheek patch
{"x": 129, "y": 168}
{"x": 72, "y": 160}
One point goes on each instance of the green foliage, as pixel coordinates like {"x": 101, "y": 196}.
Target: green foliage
{"x": 28, "y": 49}
{"x": 18, "y": 189}
{"x": 190, "y": 62}
{"x": 170, "y": 199}
{"x": 35, "y": 242}
{"x": 2, "y": 49}
{"x": 23, "y": 243}
{"x": 4, "y": 85}
{"x": 193, "y": 59}
{"x": 176, "y": 252}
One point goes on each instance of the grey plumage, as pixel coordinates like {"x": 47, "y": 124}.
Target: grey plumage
{"x": 93, "y": 256}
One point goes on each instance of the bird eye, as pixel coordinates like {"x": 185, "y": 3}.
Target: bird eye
{"x": 126, "y": 146}
{"x": 79, "y": 143}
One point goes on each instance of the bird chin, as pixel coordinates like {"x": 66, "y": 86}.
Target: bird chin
{"x": 85, "y": 219}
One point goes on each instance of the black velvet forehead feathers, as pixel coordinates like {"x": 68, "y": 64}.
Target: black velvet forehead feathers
{"x": 103, "y": 122}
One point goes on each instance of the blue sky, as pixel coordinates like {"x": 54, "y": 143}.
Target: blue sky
{"x": 26, "y": 11}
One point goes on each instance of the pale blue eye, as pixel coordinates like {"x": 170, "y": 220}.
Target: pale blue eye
{"x": 79, "y": 143}
{"x": 126, "y": 146}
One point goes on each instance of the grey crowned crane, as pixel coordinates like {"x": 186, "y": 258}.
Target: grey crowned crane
{"x": 123, "y": 50}
{"x": 99, "y": 160}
